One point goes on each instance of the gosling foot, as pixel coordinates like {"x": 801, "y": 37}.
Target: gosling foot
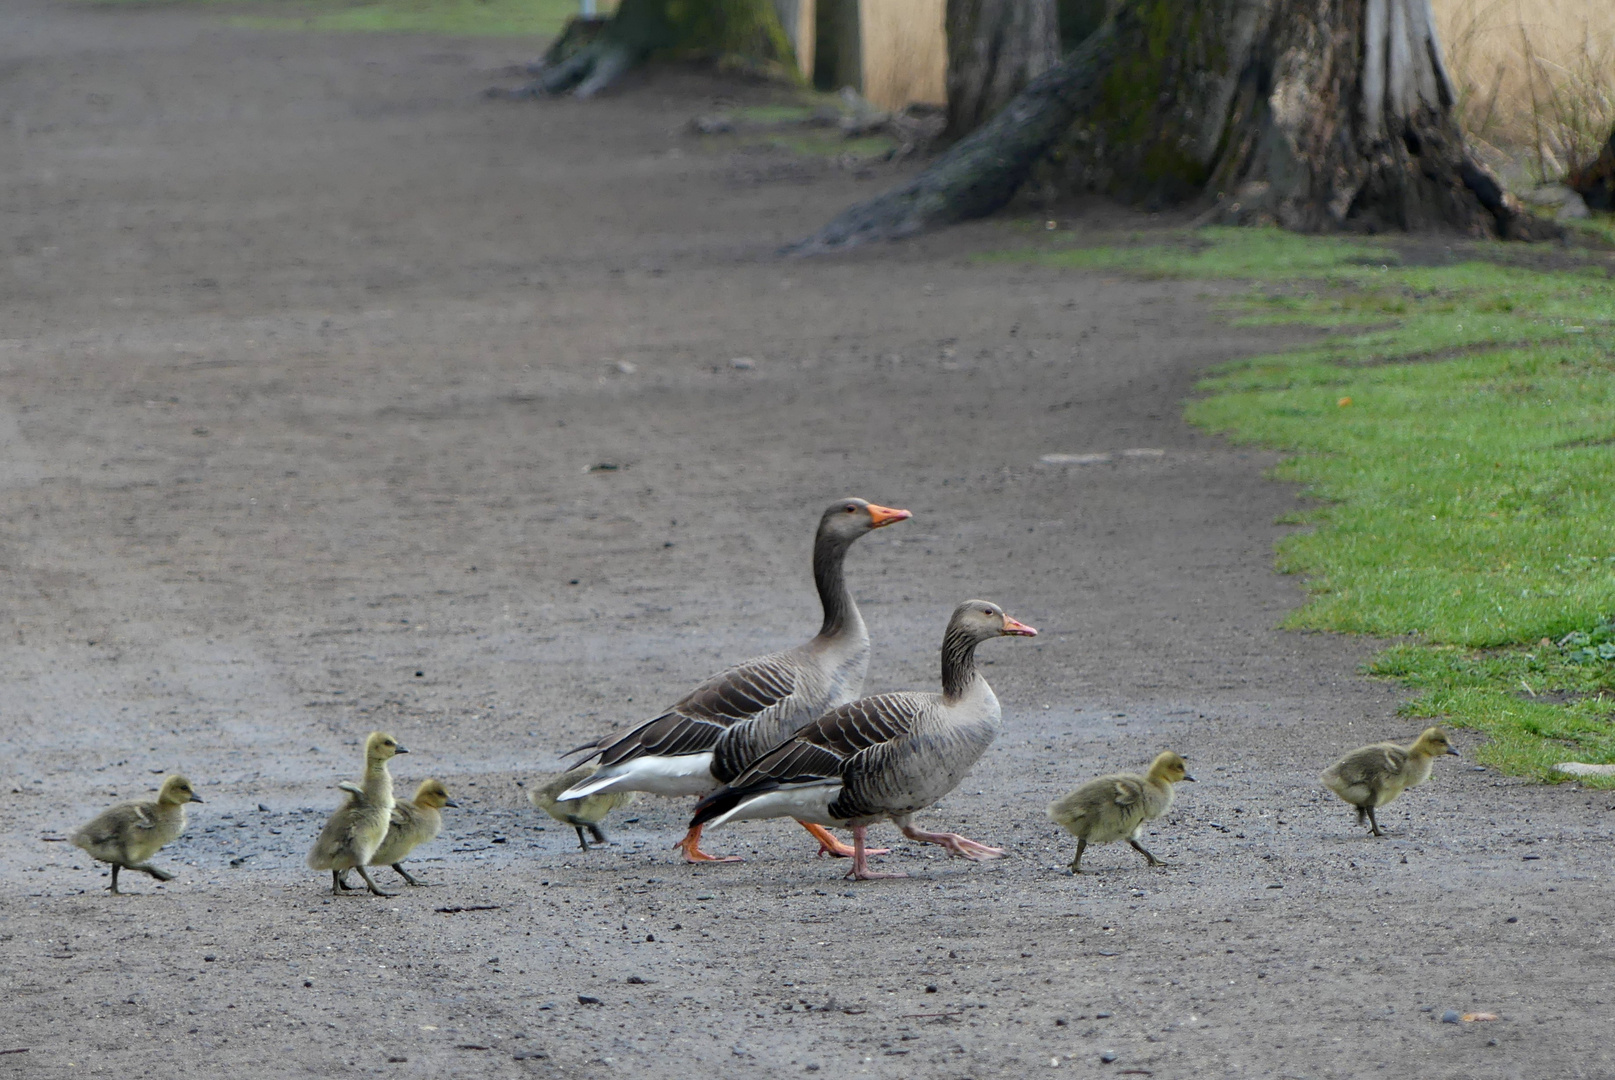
{"x": 371, "y": 885}
{"x": 1148, "y": 857}
{"x": 409, "y": 879}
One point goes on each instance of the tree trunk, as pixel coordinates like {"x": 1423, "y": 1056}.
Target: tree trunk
{"x": 1314, "y": 114}
{"x": 1596, "y": 182}
{"x": 995, "y": 47}
{"x": 982, "y": 171}
{"x": 745, "y": 28}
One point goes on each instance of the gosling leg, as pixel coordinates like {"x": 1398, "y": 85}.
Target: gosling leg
{"x": 342, "y": 880}
{"x": 409, "y": 879}
{"x": 1153, "y": 861}
{"x": 582, "y": 843}
{"x": 148, "y": 868}
{"x": 599, "y": 834}
{"x": 371, "y": 885}
{"x": 860, "y": 859}
{"x": 336, "y": 883}
{"x": 1374, "y": 825}
{"x": 1076, "y": 863}
{"x": 114, "y": 886}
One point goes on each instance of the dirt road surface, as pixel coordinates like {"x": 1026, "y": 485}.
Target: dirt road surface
{"x": 310, "y": 362}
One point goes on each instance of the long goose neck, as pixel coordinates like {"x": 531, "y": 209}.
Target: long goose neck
{"x": 840, "y": 610}
{"x": 958, "y": 663}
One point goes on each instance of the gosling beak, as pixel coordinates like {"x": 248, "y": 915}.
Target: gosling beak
{"x": 400, "y": 749}
{"x": 195, "y": 797}
{"x": 1189, "y": 778}
{"x": 880, "y": 516}
{"x": 1453, "y": 750}
{"x": 451, "y": 802}
{"x": 1016, "y": 628}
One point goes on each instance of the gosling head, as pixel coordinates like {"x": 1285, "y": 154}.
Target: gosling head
{"x": 177, "y": 791}
{"x": 980, "y": 620}
{"x": 1171, "y": 768}
{"x": 849, "y": 519}
{"x": 1434, "y": 742}
{"x": 381, "y": 746}
{"x": 432, "y": 793}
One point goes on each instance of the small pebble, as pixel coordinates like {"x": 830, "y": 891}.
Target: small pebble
{"x": 1101, "y": 1016}
{"x": 743, "y": 363}
{"x": 1451, "y": 1017}
{"x": 1107, "y": 1057}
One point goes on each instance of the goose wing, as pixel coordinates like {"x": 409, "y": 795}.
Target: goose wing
{"x": 694, "y": 724}
{"x": 819, "y": 752}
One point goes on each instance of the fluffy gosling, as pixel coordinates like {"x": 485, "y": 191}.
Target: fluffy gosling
{"x": 1373, "y": 775}
{"x": 585, "y": 813}
{"x": 414, "y": 822}
{"x": 1115, "y": 807}
{"x": 130, "y": 833}
{"x": 356, "y": 830}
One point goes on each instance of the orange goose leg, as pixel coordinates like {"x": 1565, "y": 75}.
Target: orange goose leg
{"x": 829, "y": 845}
{"x": 860, "y": 866}
{"x": 691, "y": 846}
{"x": 956, "y": 844}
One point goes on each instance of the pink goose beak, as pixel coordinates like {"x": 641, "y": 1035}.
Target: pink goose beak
{"x": 1016, "y": 628}
{"x": 880, "y": 516}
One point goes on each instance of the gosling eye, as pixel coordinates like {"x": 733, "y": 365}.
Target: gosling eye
{"x": 852, "y": 509}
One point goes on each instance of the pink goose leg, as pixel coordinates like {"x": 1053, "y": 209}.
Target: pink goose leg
{"x": 860, "y": 859}
{"x": 956, "y": 844}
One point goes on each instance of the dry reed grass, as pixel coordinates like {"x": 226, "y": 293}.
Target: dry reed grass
{"x": 1535, "y": 80}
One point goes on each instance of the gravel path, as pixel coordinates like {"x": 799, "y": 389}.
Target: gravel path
{"x": 309, "y": 363}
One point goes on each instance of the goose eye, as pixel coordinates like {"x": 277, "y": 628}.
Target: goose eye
{"x": 852, "y": 509}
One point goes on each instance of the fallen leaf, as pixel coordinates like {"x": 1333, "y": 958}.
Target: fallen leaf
{"x": 1470, "y": 1018}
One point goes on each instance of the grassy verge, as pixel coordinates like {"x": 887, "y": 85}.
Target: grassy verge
{"x": 470, "y": 18}
{"x": 1455, "y": 431}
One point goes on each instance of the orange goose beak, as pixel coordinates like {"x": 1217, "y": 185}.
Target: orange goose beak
{"x": 880, "y": 516}
{"x": 1016, "y": 628}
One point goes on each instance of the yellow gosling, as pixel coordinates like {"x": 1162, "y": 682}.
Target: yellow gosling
{"x": 1373, "y": 775}
{"x": 585, "y": 813}
{"x": 356, "y": 830}
{"x": 414, "y": 822}
{"x": 1115, "y": 807}
{"x": 130, "y": 833}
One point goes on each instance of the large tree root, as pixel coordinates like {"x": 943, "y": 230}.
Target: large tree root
{"x": 1311, "y": 114}
{"x": 983, "y": 171}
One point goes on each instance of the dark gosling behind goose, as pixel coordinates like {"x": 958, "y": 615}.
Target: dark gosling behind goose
{"x": 129, "y": 834}
{"x": 585, "y": 813}
{"x": 1373, "y": 775}
{"x": 1115, "y": 807}
{"x": 887, "y": 756}
{"x": 358, "y": 827}
{"x": 720, "y": 727}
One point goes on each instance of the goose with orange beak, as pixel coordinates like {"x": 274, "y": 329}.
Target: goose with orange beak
{"x": 887, "y": 756}
{"x": 710, "y": 735}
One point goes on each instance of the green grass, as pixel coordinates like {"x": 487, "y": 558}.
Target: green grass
{"x": 1454, "y": 429}
{"x": 470, "y": 18}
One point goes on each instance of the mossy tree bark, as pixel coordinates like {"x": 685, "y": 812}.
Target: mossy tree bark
{"x": 995, "y": 47}
{"x": 1595, "y": 181}
{"x": 739, "y": 28}
{"x": 1314, "y": 114}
